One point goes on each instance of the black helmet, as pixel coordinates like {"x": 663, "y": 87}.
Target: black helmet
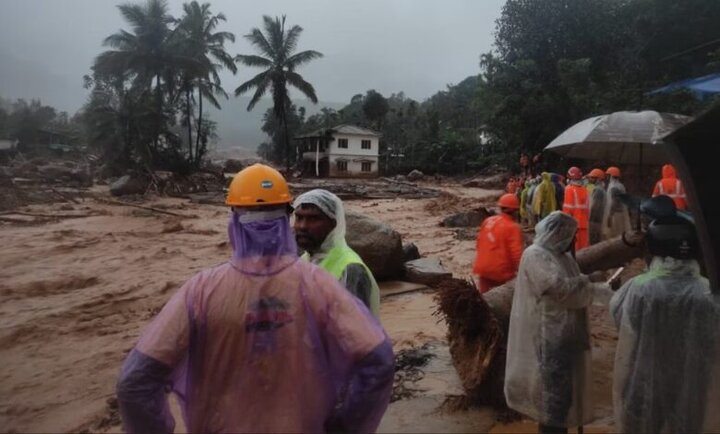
{"x": 658, "y": 207}
{"x": 672, "y": 236}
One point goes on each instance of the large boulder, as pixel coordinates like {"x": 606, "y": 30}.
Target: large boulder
{"x": 379, "y": 245}
{"x": 55, "y": 171}
{"x": 495, "y": 182}
{"x": 427, "y": 271}
{"x": 128, "y": 185}
{"x": 410, "y": 252}
{"x": 415, "y": 175}
{"x": 232, "y": 166}
{"x": 463, "y": 220}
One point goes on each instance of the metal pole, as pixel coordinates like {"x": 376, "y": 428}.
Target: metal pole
{"x": 639, "y": 187}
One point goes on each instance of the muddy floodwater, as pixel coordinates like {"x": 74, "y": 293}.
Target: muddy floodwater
{"x": 76, "y": 292}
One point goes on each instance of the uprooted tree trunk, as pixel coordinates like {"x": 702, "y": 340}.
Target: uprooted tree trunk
{"x": 478, "y": 324}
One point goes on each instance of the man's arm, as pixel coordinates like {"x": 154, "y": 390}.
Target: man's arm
{"x": 357, "y": 281}
{"x": 146, "y": 373}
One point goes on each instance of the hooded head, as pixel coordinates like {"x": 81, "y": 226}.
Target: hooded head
{"x": 319, "y": 221}
{"x": 556, "y": 232}
{"x": 668, "y": 171}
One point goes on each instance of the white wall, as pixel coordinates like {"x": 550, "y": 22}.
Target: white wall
{"x": 354, "y": 166}
{"x": 355, "y": 145}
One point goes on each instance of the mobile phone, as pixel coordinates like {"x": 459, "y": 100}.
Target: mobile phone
{"x": 615, "y": 275}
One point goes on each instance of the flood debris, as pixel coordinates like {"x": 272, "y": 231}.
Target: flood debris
{"x": 407, "y": 371}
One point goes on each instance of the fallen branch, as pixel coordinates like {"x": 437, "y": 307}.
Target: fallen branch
{"x": 396, "y": 181}
{"x": 11, "y": 220}
{"x": 67, "y": 198}
{"x": 49, "y": 216}
{"x": 148, "y": 208}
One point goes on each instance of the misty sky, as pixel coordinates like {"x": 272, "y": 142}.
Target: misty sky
{"x": 415, "y": 46}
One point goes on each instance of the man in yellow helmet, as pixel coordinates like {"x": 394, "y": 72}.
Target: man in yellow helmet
{"x": 262, "y": 343}
{"x": 320, "y": 231}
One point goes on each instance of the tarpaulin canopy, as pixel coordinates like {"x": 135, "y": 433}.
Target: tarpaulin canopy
{"x": 702, "y": 87}
{"x": 690, "y": 148}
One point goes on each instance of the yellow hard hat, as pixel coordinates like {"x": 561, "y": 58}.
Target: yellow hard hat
{"x": 258, "y": 185}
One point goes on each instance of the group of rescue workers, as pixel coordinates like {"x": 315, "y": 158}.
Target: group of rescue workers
{"x": 272, "y": 341}
{"x": 668, "y": 319}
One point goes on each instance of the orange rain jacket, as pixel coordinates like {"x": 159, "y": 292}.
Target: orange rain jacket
{"x": 499, "y": 248}
{"x": 577, "y": 204}
{"x": 670, "y": 185}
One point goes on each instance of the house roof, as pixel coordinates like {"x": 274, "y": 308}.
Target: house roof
{"x": 341, "y": 129}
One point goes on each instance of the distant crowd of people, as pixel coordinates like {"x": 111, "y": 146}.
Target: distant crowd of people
{"x": 668, "y": 321}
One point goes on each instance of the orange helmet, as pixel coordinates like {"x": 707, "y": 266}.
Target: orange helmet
{"x": 258, "y": 185}
{"x": 613, "y": 171}
{"x": 509, "y": 200}
{"x": 597, "y": 173}
{"x": 574, "y": 173}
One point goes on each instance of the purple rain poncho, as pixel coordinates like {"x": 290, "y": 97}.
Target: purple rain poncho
{"x": 263, "y": 343}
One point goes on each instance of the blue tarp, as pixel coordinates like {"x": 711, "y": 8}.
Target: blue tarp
{"x": 702, "y": 87}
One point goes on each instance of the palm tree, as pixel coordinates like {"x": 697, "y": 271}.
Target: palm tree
{"x": 277, "y": 48}
{"x": 145, "y": 53}
{"x": 201, "y": 43}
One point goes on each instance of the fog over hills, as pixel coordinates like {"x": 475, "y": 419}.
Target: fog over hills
{"x": 26, "y": 79}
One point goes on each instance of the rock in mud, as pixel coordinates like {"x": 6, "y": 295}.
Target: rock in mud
{"x": 427, "y": 271}
{"x": 379, "y": 245}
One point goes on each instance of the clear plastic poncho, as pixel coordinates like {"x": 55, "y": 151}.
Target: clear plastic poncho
{"x": 597, "y": 213}
{"x": 547, "y": 375}
{"x": 616, "y": 218}
{"x": 357, "y": 279}
{"x": 262, "y": 343}
{"x": 667, "y": 370}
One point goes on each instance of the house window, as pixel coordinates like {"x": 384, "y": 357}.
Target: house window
{"x": 342, "y": 143}
{"x": 366, "y": 166}
{"x": 366, "y": 144}
{"x": 342, "y": 166}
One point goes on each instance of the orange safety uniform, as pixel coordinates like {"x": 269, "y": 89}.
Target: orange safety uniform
{"x": 499, "y": 247}
{"x": 671, "y": 186}
{"x": 577, "y": 204}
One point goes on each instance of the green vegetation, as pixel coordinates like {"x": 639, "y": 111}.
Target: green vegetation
{"x": 554, "y": 63}
{"x": 278, "y": 57}
{"x": 143, "y": 89}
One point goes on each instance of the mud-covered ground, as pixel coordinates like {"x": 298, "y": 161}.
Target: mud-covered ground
{"x": 76, "y": 292}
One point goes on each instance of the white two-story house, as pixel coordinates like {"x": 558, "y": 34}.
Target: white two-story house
{"x": 343, "y": 151}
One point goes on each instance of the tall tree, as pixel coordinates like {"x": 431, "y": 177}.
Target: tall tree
{"x": 375, "y": 108}
{"x": 146, "y": 52}
{"x": 199, "y": 41}
{"x": 278, "y": 57}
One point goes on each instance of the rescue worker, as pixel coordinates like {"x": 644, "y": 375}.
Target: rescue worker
{"x": 559, "y": 184}
{"x": 524, "y": 217}
{"x": 547, "y": 372}
{"x": 577, "y": 204}
{"x": 532, "y": 218}
{"x": 512, "y": 185}
{"x": 524, "y": 164}
{"x": 666, "y": 371}
{"x": 596, "y": 187}
{"x": 499, "y": 245}
{"x": 544, "y": 200}
{"x": 262, "y": 343}
{"x": 616, "y": 217}
{"x": 320, "y": 230}
{"x": 671, "y": 186}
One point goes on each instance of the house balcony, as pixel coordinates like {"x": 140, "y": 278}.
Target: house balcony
{"x": 311, "y": 155}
